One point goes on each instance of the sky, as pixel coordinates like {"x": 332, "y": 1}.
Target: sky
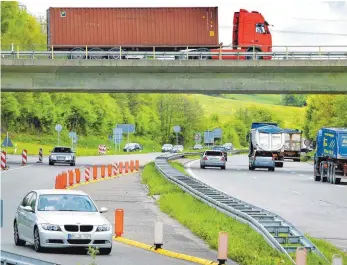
{"x": 294, "y": 22}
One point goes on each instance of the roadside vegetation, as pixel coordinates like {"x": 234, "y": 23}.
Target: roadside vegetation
{"x": 246, "y": 247}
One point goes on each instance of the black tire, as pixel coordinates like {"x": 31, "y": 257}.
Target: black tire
{"x": 105, "y": 251}
{"x": 17, "y": 240}
{"x": 201, "y": 166}
{"x": 37, "y": 241}
{"x": 223, "y": 167}
{"x": 51, "y": 163}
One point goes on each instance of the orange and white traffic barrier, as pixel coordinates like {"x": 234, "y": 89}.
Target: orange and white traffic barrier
{"x": 126, "y": 167}
{"x": 24, "y": 157}
{"x": 57, "y": 183}
{"x": 71, "y": 182}
{"x": 86, "y": 174}
{"x": 137, "y": 165}
{"x": 64, "y": 180}
{"x": 103, "y": 171}
{"x": 3, "y": 160}
{"x": 115, "y": 169}
{"x": 119, "y": 222}
{"x": 95, "y": 172}
{"x": 78, "y": 175}
{"x": 120, "y": 167}
{"x": 109, "y": 170}
{"x": 132, "y": 165}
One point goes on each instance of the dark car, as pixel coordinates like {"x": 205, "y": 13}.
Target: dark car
{"x": 62, "y": 155}
{"x": 222, "y": 149}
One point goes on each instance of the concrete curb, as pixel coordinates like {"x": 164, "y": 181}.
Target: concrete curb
{"x": 134, "y": 243}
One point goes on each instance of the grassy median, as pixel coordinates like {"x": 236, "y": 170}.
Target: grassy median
{"x": 245, "y": 245}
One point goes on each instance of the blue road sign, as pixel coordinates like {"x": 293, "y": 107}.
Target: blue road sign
{"x": 117, "y": 135}
{"x": 7, "y": 142}
{"x": 177, "y": 129}
{"x": 208, "y": 137}
{"x": 217, "y": 133}
{"x": 127, "y": 128}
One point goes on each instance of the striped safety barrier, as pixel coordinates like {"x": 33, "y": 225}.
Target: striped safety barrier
{"x": 115, "y": 169}
{"x": 102, "y": 149}
{"x": 24, "y": 157}
{"x": 3, "y": 160}
{"x": 86, "y": 174}
{"x": 40, "y": 156}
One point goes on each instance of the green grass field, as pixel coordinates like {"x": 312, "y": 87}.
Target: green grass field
{"x": 256, "y": 98}
{"x": 292, "y": 117}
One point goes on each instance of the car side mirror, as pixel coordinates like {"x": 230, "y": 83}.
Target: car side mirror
{"x": 28, "y": 209}
{"x": 103, "y": 210}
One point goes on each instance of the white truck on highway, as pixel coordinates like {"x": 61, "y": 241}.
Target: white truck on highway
{"x": 268, "y": 137}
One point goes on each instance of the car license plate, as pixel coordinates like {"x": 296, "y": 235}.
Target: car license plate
{"x": 61, "y": 158}
{"x": 78, "y": 236}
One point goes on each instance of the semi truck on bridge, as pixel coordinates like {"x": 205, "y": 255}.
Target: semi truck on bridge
{"x": 100, "y": 31}
{"x": 330, "y": 159}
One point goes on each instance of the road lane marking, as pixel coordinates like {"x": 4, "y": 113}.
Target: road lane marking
{"x": 311, "y": 178}
{"x": 294, "y": 191}
{"x": 341, "y": 186}
{"x": 253, "y": 177}
{"x": 301, "y": 175}
{"x": 17, "y": 168}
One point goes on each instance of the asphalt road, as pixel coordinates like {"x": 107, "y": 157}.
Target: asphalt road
{"x": 319, "y": 209}
{"x": 19, "y": 180}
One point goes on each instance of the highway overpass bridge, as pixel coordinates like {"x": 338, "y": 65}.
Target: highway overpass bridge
{"x": 174, "y": 76}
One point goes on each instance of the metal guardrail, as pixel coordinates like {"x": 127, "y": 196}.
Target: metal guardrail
{"x": 9, "y": 258}
{"x": 179, "y": 55}
{"x": 278, "y": 232}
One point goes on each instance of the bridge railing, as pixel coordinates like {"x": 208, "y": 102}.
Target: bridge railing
{"x": 159, "y": 53}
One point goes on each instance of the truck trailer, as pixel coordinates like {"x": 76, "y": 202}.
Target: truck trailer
{"x": 167, "y": 29}
{"x": 292, "y": 146}
{"x": 268, "y": 138}
{"x": 330, "y": 159}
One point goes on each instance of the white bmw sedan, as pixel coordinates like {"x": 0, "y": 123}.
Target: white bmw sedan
{"x": 59, "y": 219}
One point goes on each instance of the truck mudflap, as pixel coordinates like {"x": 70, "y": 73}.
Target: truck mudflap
{"x": 345, "y": 170}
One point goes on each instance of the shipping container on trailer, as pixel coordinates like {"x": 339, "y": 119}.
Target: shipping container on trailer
{"x": 330, "y": 159}
{"x": 152, "y": 29}
{"x": 292, "y": 146}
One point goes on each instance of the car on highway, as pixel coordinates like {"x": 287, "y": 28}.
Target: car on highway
{"x": 166, "y": 148}
{"x": 177, "y": 149}
{"x": 198, "y": 147}
{"x": 213, "y": 158}
{"x": 57, "y": 218}
{"x": 62, "y": 155}
{"x": 222, "y": 149}
{"x": 262, "y": 159}
{"x": 132, "y": 147}
{"x": 228, "y": 146}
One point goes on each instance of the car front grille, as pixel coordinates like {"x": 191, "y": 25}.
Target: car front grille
{"x": 99, "y": 241}
{"x": 86, "y": 228}
{"x": 71, "y": 228}
{"x": 78, "y": 241}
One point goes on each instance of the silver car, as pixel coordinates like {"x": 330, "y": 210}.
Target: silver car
{"x": 60, "y": 219}
{"x": 62, "y": 155}
{"x": 212, "y": 158}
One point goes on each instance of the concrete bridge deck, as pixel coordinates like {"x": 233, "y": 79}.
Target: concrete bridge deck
{"x": 175, "y": 76}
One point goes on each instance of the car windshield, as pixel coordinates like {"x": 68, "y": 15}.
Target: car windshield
{"x": 66, "y": 202}
{"x": 213, "y": 153}
{"x": 62, "y": 150}
{"x": 167, "y": 145}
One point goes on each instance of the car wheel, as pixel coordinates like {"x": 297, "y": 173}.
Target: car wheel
{"x": 105, "y": 251}
{"x": 71, "y": 164}
{"x": 37, "y": 242}
{"x": 51, "y": 163}
{"x": 17, "y": 240}
{"x": 223, "y": 167}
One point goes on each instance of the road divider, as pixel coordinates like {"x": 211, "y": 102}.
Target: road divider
{"x": 40, "y": 156}
{"x": 72, "y": 178}
{"x": 3, "y": 161}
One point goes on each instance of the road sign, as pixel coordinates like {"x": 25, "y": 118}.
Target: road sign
{"x": 217, "y": 133}
{"x": 197, "y": 137}
{"x": 127, "y": 128}
{"x": 208, "y": 137}
{"x": 177, "y": 129}
{"x": 117, "y": 135}
{"x": 72, "y": 134}
{"x": 7, "y": 142}
{"x": 58, "y": 127}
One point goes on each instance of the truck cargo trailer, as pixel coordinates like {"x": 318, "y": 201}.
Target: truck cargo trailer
{"x": 292, "y": 146}
{"x": 167, "y": 29}
{"x": 330, "y": 159}
{"x": 268, "y": 138}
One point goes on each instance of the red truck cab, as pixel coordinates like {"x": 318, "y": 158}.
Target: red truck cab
{"x": 250, "y": 33}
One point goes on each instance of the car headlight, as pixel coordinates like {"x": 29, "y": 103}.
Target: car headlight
{"x": 51, "y": 227}
{"x": 102, "y": 228}
{"x": 53, "y": 157}
{"x": 68, "y": 157}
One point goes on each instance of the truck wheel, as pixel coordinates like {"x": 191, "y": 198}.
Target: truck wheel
{"x": 316, "y": 177}
{"x": 323, "y": 175}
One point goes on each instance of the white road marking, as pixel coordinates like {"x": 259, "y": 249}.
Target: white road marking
{"x": 311, "y": 178}
{"x": 294, "y": 191}
{"x": 293, "y": 172}
{"x": 341, "y": 186}
{"x": 17, "y": 168}
{"x": 253, "y": 177}
{"x": 301, "y": 175}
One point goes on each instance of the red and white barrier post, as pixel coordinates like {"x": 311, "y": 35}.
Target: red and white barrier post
{"x": 86, "y": 174}
{"x": 115, "y": 169}
{"x": 40, "y": 156}
{"x": 24, "y": 157}
{"x": 3, "y": 160}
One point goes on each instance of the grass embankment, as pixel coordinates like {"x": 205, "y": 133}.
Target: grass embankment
{"x": 86, "y": 146}
{"x": 245, "y": 245}
{"x": 225, "y": 107}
